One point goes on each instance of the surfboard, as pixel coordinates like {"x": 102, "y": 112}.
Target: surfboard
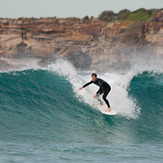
{"x": 112, "y": 112}
{"x": 102, "y": 109}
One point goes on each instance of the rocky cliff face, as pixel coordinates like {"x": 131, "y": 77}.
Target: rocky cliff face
{"x": 86, "y": 43}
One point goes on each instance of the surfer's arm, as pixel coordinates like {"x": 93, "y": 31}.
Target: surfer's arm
{"x": 87, "y": 84}
{"x": 98, "y": 91}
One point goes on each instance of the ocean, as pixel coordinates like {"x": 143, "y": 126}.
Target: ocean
{"x": 45, "y": 118}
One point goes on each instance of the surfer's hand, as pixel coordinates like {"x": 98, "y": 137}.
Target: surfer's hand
{"x": 80, "y": 88}
{"x": 95, "y": 95}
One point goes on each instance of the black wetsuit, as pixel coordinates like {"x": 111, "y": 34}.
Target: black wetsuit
{"x": 104, "y": 88}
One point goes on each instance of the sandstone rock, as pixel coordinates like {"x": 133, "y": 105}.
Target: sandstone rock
{"x": 87, "y": 44}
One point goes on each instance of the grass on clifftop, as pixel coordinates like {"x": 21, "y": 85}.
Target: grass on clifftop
{"x": 139, "y": 15}
{"x": 126, "y": 15}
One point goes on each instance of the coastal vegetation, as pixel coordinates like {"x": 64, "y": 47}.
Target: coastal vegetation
{"x": 139, "y": 15}
{"x": 126, "y": 15}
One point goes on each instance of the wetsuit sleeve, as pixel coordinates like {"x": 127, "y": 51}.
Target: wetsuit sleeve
{"x": 87, "y": 84}
{"x": 99, "y": 90}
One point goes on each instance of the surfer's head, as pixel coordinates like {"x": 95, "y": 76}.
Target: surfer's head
{"x": 94, "y": 77}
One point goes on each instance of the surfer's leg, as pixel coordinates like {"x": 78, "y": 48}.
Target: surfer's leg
{"x": 106, "y": 101}
{"x": 104, "y": 98}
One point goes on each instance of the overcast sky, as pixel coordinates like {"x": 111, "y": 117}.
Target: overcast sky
{"x": 70, "y": 8}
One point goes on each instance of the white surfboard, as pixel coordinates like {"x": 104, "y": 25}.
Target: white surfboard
{"x": 102, "y": 108}
{"x": 112, "y": 112}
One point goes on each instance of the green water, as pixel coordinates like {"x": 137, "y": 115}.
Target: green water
{"x": 42, "y": 120}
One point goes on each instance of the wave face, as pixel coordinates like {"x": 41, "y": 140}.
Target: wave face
{"x": 43, "y": 117}
{"x": 147, "y": 89}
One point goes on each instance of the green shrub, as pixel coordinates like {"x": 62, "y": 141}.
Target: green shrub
{"x": 126, "y": 15}
{"x": 85, "y": 19}
{"x": 140, "y": 15}
{"x": 107, "y": 16}
{"x": 123, "y": 14}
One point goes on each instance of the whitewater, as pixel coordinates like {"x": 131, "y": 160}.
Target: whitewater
{"x": 45, "y": 118}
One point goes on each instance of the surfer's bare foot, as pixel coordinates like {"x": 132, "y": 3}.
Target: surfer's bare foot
{"x": 109, "y": 109}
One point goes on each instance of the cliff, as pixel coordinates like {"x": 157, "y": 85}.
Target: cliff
{"x": 87, "y": 43}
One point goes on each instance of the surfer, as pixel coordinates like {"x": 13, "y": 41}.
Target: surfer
{"x": 104, "y": 88}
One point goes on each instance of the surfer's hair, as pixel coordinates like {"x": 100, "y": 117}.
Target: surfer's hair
{"x": 94, "y": 74}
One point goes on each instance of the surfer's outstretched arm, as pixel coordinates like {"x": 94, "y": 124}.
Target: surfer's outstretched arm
{"x": 85, "y": 85}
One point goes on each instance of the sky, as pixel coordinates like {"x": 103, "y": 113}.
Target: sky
{"x": 70, "y": 8}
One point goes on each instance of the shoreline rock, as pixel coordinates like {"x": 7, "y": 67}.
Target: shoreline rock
{"x": 86, "y": 44}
